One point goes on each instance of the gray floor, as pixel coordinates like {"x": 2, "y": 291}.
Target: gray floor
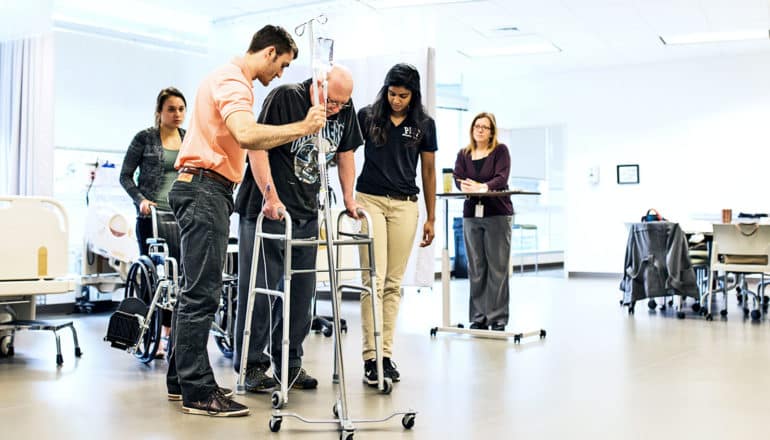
{"x": 599, "y": 374}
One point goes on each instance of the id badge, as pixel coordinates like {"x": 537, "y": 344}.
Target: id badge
{"x": 479, "y": 210}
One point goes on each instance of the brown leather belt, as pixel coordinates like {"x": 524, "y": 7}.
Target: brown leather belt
{"x": 213, "y": 175}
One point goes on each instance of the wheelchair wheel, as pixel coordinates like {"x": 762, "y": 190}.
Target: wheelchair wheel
{"x": 148, "y": 346}
{"x": 222, "y": 319}
{"x": 141, "y": 283}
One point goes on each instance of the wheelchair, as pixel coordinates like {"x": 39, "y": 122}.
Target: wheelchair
{"x": 152, "y": 284}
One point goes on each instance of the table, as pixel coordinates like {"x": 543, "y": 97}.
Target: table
{"x": 445, "y": 276}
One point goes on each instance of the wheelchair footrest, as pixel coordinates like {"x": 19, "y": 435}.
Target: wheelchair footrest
{"x": 124, "y": 326}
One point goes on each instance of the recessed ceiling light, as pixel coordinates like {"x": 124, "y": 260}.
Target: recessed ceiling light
{"x": 715, "y": 37}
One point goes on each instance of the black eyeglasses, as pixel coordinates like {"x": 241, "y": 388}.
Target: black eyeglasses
{"x": 481, "y": 127}
{"x": 339, "y": 105}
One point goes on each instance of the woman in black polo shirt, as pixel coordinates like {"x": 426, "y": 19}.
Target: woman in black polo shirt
{"x": 397, "y": 133}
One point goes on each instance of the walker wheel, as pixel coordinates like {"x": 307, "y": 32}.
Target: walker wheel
{"x": 517, "y": 338}
{"x": 460, "y": 325}
{"x": 696, "y": 307}
{"x": 651, "y": 304}
{"x": 387, "y": 386}
{"x": 631, "y": 310}
{"x": 346, "y": 435}
{"x": 709, "y": 317}
{"x": 723, "y": 313}
{"x": 326, "y": 330}
{"x": 275, "y": 424}
{"x": 680, "y": 315}
{"x": 277, "y": 399}
{"x": 408, "y": 421}
{"x": 78, "y": 352}
{"x": 542, "y": 334}
{"x": 755, "y": 315}
{"x": 433, "y": 332}
{"x": 59, "y": 359}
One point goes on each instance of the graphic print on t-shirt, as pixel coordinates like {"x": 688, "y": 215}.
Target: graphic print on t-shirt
{"x": 306, "y": 154}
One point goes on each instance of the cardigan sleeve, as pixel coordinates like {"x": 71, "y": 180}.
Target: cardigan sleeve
{"x": 459, "y": 172}
{"x": 130, "y": 164}
{"x": 502, "y": 169}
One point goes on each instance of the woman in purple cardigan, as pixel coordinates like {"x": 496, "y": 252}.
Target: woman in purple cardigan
{"x": 484, "y": 166}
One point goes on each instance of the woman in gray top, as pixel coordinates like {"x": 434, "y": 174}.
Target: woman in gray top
{"x": 148, "y": 173}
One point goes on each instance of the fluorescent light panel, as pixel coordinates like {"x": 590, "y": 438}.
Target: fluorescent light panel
{"x": 389, "y": 4}
{"x": 517, "y": 49}
{"x": 715, "y": 37}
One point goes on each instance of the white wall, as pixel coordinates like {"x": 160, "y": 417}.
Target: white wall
{"x": 106, "y": 88}
{"x": 698, "y": 130}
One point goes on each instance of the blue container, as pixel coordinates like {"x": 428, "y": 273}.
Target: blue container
{"x": 460, "y": 265}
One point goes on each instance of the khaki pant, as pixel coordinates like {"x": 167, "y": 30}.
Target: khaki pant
{"x": 394, "y": 223}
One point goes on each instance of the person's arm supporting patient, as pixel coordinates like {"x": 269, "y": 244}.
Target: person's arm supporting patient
{"x": 254, "y": 136}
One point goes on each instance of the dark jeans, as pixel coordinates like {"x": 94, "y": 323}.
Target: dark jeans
{"x": 302, "y": 291}
{"x": 202, "y": 208}
{"x": 169, "y": 231}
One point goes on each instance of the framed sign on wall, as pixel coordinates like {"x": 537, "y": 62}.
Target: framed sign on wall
{"x": 628, "y": 174}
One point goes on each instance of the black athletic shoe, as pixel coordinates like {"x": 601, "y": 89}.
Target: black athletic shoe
{"x": 478, "y": 326}
{"x": 389, "y": 368}
{"x": 498, "y": 327}
{"x": 175, "y": 393}
{"x": 298, "y": 378}
{"x": 257, "y": 380}
{"x": 370, "y": 372}
{"x": 216, "y": 405}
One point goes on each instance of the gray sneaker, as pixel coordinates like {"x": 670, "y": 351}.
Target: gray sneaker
{"x": 258, "y": 381}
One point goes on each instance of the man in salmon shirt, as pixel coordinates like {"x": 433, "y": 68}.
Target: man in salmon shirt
{"x": 211, "y": 162}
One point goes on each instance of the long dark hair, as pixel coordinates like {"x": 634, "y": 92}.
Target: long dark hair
{"x": 162, "y": 97}
{"x": 400, "y": 75}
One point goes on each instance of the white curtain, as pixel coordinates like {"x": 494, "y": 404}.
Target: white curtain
{"x": 26, "y": 116}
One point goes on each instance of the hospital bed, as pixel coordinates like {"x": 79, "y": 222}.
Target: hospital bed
{"x": 33, "y": 231}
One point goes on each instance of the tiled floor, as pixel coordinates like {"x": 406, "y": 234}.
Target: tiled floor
{"x": 599, "y": 374}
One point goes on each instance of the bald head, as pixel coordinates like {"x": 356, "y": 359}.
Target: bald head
{"x": 341, "y": 81}
{"x": 339, "y": 89}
